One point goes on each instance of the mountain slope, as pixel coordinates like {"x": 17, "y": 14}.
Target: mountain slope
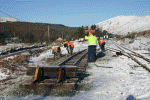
{"x": 36, "y": 31}
{"x": 123, "y": 24}
{"x": 5, "y": 19}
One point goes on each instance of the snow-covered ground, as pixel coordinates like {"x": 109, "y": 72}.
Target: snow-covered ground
{"x": 2, "y": 75}
{"x": 142, "y": 43}
{"x": 110, "y": 78}
{"x": 48, "y": 54}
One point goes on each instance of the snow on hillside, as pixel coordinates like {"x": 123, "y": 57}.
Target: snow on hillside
{"x": 4, "y": 19}
{"x": 123, "y": 24}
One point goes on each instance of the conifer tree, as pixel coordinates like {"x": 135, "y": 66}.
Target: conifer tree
{"x": 80, "y": 32}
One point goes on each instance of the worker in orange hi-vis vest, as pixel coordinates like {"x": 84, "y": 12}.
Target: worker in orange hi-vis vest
{"x": 69, "y": 46}
{"x": 56, "y": 51}
{"x": 102, "y": 44}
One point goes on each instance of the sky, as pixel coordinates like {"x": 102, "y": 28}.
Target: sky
{"x": 72, "y": 13}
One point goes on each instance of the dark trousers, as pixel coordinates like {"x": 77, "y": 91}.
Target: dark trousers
{"x": 103, "y": 46}
{"x": 70, "y": 50}
{"x": 92, "y": 53}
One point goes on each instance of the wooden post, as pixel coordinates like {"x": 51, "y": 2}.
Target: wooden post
{"x": 140, "y": 43}
{"x": 60, "y": 75}
{"x": 36, "y": 73}
{"x": 39, "y": 74}
{"x": 54, "y": 55}
{"x": 48, "y": 34}
{"x": 62, "y": 37}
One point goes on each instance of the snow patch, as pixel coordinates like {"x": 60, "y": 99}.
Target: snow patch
{"x": 5, "y": 19}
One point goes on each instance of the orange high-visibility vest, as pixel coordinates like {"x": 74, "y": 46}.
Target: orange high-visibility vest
{"x": 56, "y": 49}
{"x": 69, "y": 44}
{"x": 101, "y": 41}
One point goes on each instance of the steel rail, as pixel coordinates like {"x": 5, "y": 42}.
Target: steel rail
{"x": 20, "y": 50}
{"x": 129, "y": 56}
{"x": 137, "y": 54}
{"x": 143, "y": 65}
{"x": 63, "y": 63}
{"x": 77, "y": 62}
{"x": 112, "y": 49}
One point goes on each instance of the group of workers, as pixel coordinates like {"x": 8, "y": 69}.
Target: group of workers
{"x": 92, "y": 43}
{"x": 68, "y": 45}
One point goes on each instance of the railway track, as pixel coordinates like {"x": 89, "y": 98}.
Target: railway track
{"x": 12, "y": 52}
{"x": 135, "y": 54}
{"x": 138, "y": 58}
{"x": 63, "y": 76}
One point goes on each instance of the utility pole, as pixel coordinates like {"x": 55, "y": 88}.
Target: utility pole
{"x": 48, "y": 33}
{"x": 140, "y": 44}
{"x": 62, "y": 37}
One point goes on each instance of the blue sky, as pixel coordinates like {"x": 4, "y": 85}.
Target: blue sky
{"x": 73, "y": 13}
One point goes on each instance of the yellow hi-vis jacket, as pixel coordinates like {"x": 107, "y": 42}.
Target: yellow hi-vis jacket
{"x": 92, "y": 40}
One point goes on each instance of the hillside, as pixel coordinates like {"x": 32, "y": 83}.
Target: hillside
{"x": 121, "y": 25}
{"x": 36, "y": 32}
{"x": 5, "y": 19}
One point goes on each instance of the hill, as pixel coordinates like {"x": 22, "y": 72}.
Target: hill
{"x": 122, "y": 25}
{"x": 5, "y": 19}
{"x": 36, "y": 32}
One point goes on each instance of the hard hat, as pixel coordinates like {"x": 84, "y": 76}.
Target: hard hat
{"x": 90, "y": 33}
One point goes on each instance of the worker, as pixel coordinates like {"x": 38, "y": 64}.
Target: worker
{"x": 69, "y": 46}
{"x": 102, "y": 44}
{"x": 56, "y": 51}
{"x": 92, "y": 43}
